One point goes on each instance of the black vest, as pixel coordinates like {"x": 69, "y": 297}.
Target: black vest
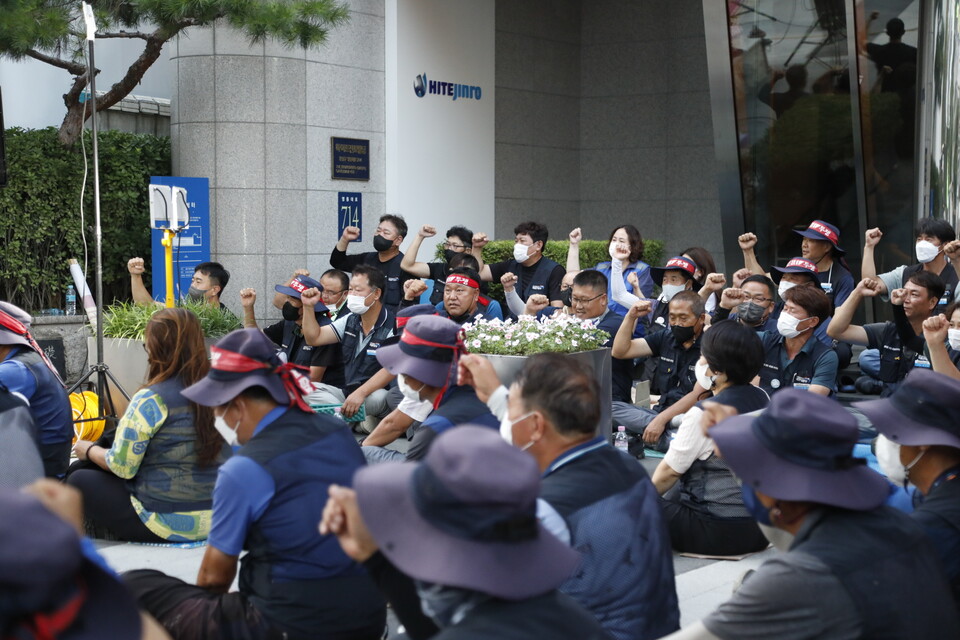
{"x": 539, "y": 282}
{"x": 359, "y": 369}
{"x": 392, "y": 273}
{"x": 773, "y": 379}
{"x": 295, "y": 346}
{"x": 889, "y": 569}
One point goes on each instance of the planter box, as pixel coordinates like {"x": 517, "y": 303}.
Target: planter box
{"x": 127, "y": 361}
{"x": 598, "y": 360}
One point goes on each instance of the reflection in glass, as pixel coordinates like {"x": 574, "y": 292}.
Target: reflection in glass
{"x": 793, "y": 104}
{"x": 887, "y": 46}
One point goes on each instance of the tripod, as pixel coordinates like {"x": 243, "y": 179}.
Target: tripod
{"x": 100, "y": 369}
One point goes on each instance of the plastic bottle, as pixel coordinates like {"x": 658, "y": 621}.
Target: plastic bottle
{"x": 620, "y": 440}
{"x": 71, "y": 309}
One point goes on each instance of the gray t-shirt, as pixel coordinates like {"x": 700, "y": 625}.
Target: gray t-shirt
{"x": 792, "y": 596}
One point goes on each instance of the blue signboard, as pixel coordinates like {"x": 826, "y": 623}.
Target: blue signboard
{"x": 349, "y": 212}
{"x": 191, "y": 246}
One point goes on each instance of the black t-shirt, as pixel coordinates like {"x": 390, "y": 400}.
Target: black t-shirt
{"x": 675, "y": 374}
{"x": 892, "y": 54}
{"x": 391, "y": 270}
{"x": 526, "y": 275}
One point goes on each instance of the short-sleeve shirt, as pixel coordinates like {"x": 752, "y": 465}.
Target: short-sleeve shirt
{"x": 298, "y": 351}
{"x": 526, "y": 274}
{"x": 675, "y": 375}
{"x": 824, "y": 370}
{"x": 242, "y": 494}
{"x": 895, "y": 361}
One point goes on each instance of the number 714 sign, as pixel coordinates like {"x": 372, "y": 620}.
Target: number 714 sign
{"x": 349, "y": 212}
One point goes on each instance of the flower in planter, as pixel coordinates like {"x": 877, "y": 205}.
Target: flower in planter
{"x": 559, "y": 333}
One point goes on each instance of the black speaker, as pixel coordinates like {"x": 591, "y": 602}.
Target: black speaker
{"x": 3, "y": 149}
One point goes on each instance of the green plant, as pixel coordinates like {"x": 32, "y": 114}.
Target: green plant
{"x": 52, "y": 31}
{"x": 592, "y": 252}
{"x": 40, "y": 212}
{"x": 129, "y": 320}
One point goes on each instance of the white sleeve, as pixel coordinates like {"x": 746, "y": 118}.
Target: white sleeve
{"x": 619, "y": 290}
{"x": 552, "y": 521}
{"x": 689, "y": 445}
{"x": 515, "y": 303}
{"x": 497, "y": 402}
{"x": 339, "y": 325}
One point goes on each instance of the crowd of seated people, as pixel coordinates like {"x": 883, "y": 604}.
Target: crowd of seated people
{"x": 509, "y": 514}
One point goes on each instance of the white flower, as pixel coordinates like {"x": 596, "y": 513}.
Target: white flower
{"x": 476, "y": 344}
{"x": 574, "y": 343}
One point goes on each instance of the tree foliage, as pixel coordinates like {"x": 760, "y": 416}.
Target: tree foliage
{"x": 52, "y": 32}
{"x": 40, "y": 212}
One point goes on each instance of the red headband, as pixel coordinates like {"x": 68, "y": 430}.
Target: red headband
{"x": 464, "y": 280}
{"x": 458, "y": 348}
{"x": 681, "y": 263}
{"x": 295, "y": 383}
{"x": 803, "y": 264}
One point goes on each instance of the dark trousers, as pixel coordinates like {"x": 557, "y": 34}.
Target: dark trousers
{"x": 56, "y": 458}
{"x": 189, "y": 612}
{"x": 694, "y": 532}
{"x": 106, "y": 505}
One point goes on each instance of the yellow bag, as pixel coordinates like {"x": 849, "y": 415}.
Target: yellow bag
{"x": 86, "y": 405}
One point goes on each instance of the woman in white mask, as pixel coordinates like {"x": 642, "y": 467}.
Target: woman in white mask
{"x": 625, "y": 247}
{"x": 942, "y": 335}
{"x": 707, "y": 514}
{"x": 154, "y": 482}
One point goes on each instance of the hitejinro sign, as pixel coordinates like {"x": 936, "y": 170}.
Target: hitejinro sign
{"x": 349, "y": 159}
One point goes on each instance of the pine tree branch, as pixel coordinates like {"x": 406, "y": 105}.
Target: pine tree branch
{"x": 124, "y": 34}
{"x": 73, "y": 67}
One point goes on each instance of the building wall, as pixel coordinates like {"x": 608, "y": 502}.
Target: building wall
{"x": 257, "y": 121}
{"x": 603, "y": 117}
{"x": 538, "y": 114}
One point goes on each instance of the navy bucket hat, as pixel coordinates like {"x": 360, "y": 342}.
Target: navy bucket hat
{"x": 427, "y": 350}
{"x": 924, "y": 410}
{"x": 466, "y": 516}
{"x": 820, "y": 230}
{"x": 796, "y": 265}
{"x": 801, "y": 449}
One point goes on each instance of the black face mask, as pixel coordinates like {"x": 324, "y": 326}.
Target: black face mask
{"x": 381, "y": 244}
{"x": 290, "y": 312}
{"x": 448, "y": 255}
{"x": 750, "y": 313}
{"x": 566, "y": 297}
{"x": 682, "y": 334}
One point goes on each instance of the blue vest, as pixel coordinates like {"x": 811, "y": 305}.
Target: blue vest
{"x": 709, "y": 486}
{"x": 626, "y": 577}
{"x": 888, "y": 568}
{"x": 49, "y": 404}
{"x": 170, "y": 477}
{"x": 359, "y": 369}
{"x": 287, "y": 559}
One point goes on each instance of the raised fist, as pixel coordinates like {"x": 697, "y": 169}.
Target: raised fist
{"x": 135, "y": 266}
{"x": 426, "y": 231}
{"x": 635, "y": 283}
{"x": 935, "y": 329}
{"x": 247, "y": 298}
{"x": 618, "y": 251}
{"x": 732, "y": 297}
{"x": 536, "y": 303}
{"x": 575, "y": 236}
{"x": 869, "y": 288}
{"x": 747, "y": 241}
{"x": 413, "y": 288}
{"x": 952, "y": 250}
{"x": 715, "y": 282}
{"x": 480, "y": 240}
{"x": 740, "y": 276}
{"x": 509, "y": 281}
{"x": 872, "y": 237}
{"x": 639, "y": 309}
{"x": 350, "y": 233}
{"x": 310, "y": 297}
{"x": 897, "y": 296}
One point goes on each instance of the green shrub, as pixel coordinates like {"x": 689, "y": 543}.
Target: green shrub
{"x": 592, "y": 252}
{"x": 129, "y": 320}
{"x": 40, "y": 212}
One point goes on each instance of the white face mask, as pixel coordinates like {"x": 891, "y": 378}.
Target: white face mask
{"x": 520, "y": 252}
{"x": 670, "y": 290}
{"x": 888, "y": 457}
{"x": 953, "y": 337}
{"x": 409, "y": 392}
{"x": 357, "y": 304}
{"x": 226, "y": 432}
{"x": 926, "y": 251}
{"x": 787, "y": 325}
{"x": 506, "y": 430}
{"x": 613, "y": 245}
{"x": 700, "y": 371}
{"x": 784, "y": 287}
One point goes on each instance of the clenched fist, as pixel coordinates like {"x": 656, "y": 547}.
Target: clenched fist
{"x": 350, "y": 233}
{"x": 247, "y": 297}
{"x": 747, "y": 241}
{"x": 135, "y": 266}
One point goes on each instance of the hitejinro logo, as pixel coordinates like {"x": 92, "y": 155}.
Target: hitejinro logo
{"x": 422, "y": 86}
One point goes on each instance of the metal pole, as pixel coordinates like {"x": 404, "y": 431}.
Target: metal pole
{"x": 98, "y": 235}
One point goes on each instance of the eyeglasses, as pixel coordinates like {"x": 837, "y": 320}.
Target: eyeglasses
{"x": 578, "y": 301}
{"x": 326, "y": 293}
{"x": 758, "y": 298}
{"x": 455, "y": 246}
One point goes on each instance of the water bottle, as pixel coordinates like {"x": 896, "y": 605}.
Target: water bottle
{"x": 620, "y": 440}
{"x": 71, "y": 309}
